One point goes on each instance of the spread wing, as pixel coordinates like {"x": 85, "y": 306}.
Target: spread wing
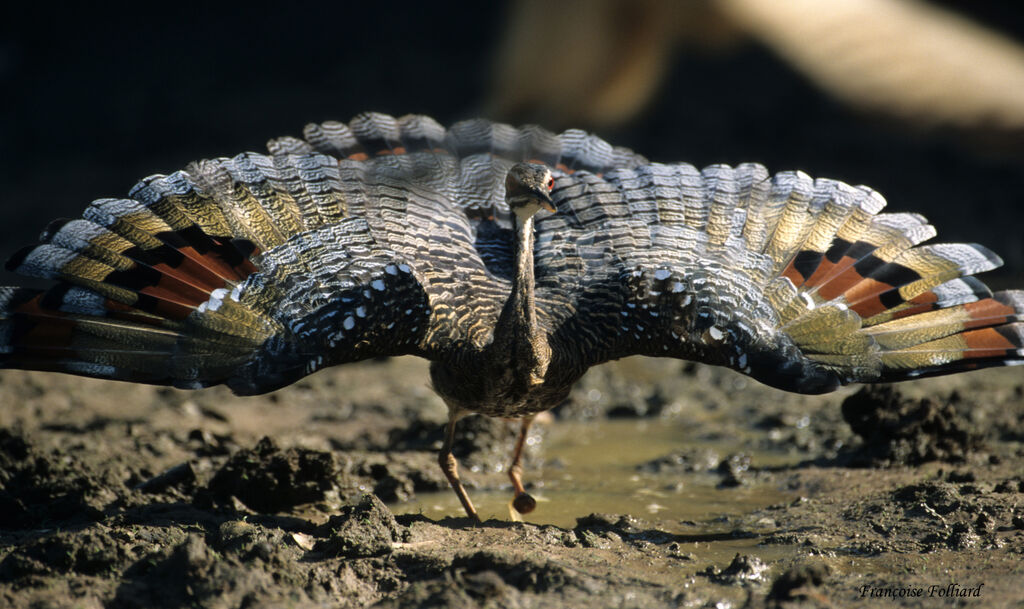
{"x": 390, "y": 236}
{"x": 800, "y": 283}
{"x": 378, "y": 237}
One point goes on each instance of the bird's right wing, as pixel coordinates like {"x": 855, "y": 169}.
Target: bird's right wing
{"x": 359, "y": 240}
{"x": 251, "y": 271}
{"x": 259, "y": 269}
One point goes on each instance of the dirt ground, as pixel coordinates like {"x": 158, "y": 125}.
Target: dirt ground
{"x": 117, "y": 495}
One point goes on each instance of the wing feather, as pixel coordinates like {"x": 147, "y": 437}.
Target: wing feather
{"x": 388, "y": 236}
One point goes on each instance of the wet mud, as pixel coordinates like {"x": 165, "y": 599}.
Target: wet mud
{"x": 661, "y": 484}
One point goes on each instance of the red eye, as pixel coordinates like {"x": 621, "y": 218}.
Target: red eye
{"x": 551, "y": 183}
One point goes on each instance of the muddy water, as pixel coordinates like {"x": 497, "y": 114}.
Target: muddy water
{"x": 598, "y": 467}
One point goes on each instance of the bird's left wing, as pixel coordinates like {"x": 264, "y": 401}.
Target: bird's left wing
{"x": 801, "y": 283}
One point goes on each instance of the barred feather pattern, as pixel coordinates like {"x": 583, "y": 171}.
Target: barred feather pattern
{"x": 390, "y": 236}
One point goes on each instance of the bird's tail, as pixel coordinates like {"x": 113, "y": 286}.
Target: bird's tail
{"x": 860, "y": 295}
{"x": 142, "y": 294}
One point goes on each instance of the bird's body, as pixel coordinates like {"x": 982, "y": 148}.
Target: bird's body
{"x": 396, "y": 236}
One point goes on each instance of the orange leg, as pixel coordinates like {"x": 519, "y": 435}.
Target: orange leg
{"x": 523, "y": 502}
{"x": 450, "y": 466}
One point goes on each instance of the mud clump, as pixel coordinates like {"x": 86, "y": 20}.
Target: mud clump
{"x": 1010, "y": 485}
{"x": 183, "y": 476}
{"x": 931, "y": 497}
{"x": 742, "y": 571}
{"x": 520, "y": 571}
{"x": 900, "y": 431}
{"x": 734, "y": 470}
{"x": 193, "y": 574}
{"x": 940, "y": 515}
{"x": 604, "y": 530}
{"x": 485, "y": 589}
{"x": 797, "y": 584}
{"x": 363, "y": 530}
{"x": 685, "y": 461}
{"x": 90, "y": 552}
{"x": 267, "y": 479}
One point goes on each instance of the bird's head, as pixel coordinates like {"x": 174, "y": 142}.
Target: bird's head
{"x": 528, "y": 189}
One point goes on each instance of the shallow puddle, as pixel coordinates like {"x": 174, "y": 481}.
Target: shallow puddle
{"x": 592, "y": 467}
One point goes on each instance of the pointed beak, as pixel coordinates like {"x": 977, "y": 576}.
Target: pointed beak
{"x": 545, "y": 202}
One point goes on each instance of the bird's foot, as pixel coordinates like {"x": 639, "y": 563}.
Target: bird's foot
{"x": 524, "y": 503}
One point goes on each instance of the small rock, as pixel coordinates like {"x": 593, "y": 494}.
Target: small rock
{"x": 306, "y": 542}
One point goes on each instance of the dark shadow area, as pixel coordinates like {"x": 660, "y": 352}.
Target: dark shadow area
{"x": 101, "y": 97}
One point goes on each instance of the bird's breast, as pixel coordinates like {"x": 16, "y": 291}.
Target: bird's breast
{"x": 506, "y": 391}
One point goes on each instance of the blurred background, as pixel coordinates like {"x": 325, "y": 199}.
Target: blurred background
{"x": 923, "y": 101}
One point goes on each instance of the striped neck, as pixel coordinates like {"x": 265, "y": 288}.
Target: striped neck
{"x": 519, "y": 345}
